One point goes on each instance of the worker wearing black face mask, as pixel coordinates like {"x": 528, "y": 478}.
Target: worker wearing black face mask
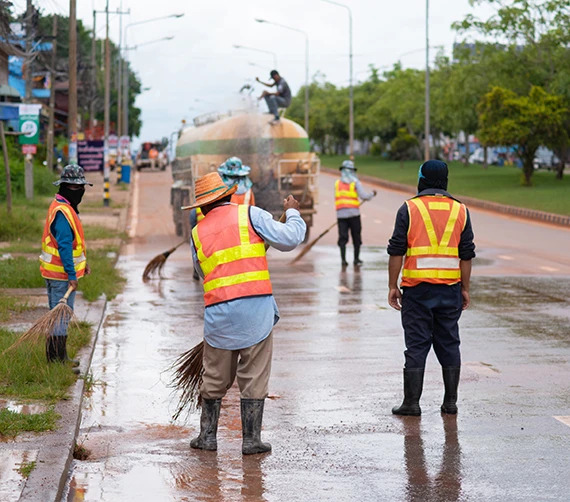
{"x": 63, "y": 260}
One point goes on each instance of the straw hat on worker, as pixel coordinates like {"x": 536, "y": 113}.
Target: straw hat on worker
{"x": 209, "y": 189}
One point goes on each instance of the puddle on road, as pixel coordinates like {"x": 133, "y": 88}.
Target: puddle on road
{"x": 23, "y": 408}
{"x": 11, "y": 479}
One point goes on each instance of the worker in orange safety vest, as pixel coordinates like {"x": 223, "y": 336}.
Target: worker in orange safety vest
{"x": 228, "y": 249}
{"x": 433, "y": 238}
{"x": 348, "y": 193}
{"x": 63, "y": 260}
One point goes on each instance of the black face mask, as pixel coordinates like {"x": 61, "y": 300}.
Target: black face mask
{"x": 424, "y": 184}
{"x": 73, "y": 196}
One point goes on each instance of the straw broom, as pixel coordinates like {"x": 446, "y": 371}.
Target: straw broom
{"x": 157, "y": 263}
{"x": 46, "y": 325}
{"x": 188, "y": 370}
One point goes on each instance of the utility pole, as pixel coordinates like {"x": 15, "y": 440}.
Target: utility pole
{"x": 72, "y": 117}
{"x": 427, "y": 104}
{"x": 51, "y": 123}
{"x": 107, "y": 169}
{"x": 119, "y": 80}
{"x": 93, "y": 73}
{"x": 29, "y": 159}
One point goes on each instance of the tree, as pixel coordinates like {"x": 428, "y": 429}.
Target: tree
{"x": 402, "y": 145}
{"x": 523, "y": 122}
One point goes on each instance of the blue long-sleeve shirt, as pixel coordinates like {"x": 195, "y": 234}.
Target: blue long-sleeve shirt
{"x": 63, "y": 233}
{"x": 244, "y": 322}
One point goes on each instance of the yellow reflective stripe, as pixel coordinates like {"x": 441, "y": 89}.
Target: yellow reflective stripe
{"x": 450, "y": 224}
{"x": 344, "y": 193}
{"x": 69, "y": 216}
{"x": 232, "y": 280}
{"x": 200, "y": 254}
{"x": 350, "y": 202}
{"x": 58, "y": 268}
{"x": 439, "y": 206}
{"x": 54, "y": 251}
{"x": 432, "y": 274}
{"x": 232, "y": 254}
{"x": 427, "y": 221}
{"x": 243, "y": 218}
{"x": 424, "y": 250}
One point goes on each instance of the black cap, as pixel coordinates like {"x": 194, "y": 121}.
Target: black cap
{"x": 433, "y": 174}
{"x": 273, "y": 73}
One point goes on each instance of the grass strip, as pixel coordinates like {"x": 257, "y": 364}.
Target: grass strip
{"x": 21, "y": 272}
{"x": 26, "y": 374}
{"x": 497, "y": 184}
{"x": 11, "y": 305}
{"x": 13, "y": 424}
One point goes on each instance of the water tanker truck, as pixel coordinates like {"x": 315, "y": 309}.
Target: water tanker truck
{"x": 278, "y": 155}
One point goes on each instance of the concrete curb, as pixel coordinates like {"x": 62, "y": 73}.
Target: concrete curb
{"x": 47, "y": 481}
{"x": 519, "y": 212}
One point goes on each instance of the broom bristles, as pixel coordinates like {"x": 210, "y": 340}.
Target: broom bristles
{"x": 45, "y": 326}
{"x": 188, "y": 370}
{"x": 158, "y": 262}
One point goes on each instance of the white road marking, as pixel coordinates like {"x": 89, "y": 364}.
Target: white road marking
{"x": 343, "y": 289}
{"x": 564, "y": 420}
{"x": 548, "y": 269}
{"x": 505, "y": 257}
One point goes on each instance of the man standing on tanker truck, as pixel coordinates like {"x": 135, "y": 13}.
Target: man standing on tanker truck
{"x": 279, "y": 99}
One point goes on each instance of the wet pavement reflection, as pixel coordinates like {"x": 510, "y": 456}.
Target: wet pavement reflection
{"x": 337, "y": 372}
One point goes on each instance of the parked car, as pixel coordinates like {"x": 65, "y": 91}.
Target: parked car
{"x": 545, "y": 159}
{"x": 478, "y": 156}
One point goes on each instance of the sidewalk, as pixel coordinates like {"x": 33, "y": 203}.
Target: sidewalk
{"x": 50, "y": 453}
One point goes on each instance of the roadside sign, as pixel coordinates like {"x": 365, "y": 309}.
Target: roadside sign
{"x": 29, "y": 149}
{"x": 29, "y": 124}
{"x": 124, "y": 142}
{"x": 113, "y": 141}
{"x": 91, "y": 155}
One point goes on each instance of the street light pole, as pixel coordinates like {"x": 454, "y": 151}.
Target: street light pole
{"x": 259, "y": 50}
{"x": 126, "y": 69}
{"x": 72, "y": 94}
{"x": 427, "y": 104}
{"x": 306, "y": 65}
{"x": 351, "y": 86}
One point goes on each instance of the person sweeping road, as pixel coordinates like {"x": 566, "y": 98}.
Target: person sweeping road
{"x": 63, "y": 260}
{"x": 433, "y": 231}
{"x": 348, "y": 193}
{"x": 228, "y": 249}
{"x": 233, "y": 172}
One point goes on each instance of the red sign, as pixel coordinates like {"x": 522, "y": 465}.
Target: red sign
{"x": 29, "y": 149}
{"x": 113, "y": 141}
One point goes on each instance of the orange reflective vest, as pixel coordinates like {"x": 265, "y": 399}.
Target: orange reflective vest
{"x": 246, "y": 198}
{"x": 434, "y": 233}
{"x": 231, "y": 255}
{"x": 346, "y": 195}
{"x": 51, "y": 266}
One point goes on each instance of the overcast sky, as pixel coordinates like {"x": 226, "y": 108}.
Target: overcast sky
{"x": 199, "y": 70}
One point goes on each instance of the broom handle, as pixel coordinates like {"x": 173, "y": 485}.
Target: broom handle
{"x": 176, "y": 247}
{"x": 70, "y": 290}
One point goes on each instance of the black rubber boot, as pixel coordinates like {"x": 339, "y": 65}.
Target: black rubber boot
{"x": 413, "y": 386}
{"x": 343, "y": 261}
{"x": 207, "y": 440}
{"x": 74, "y": 362}
{"x": 357, "y": 260}
{"x": 61, "y": 348}
{"x": 51, "y": 349}
{"x": 450, "y": 382}
{"x": 251, "y": 418}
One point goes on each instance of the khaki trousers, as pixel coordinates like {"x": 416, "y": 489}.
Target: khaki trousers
{"x": 252, "y": 366}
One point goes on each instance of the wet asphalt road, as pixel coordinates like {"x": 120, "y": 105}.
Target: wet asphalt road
{"x": 336, "y": 375}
